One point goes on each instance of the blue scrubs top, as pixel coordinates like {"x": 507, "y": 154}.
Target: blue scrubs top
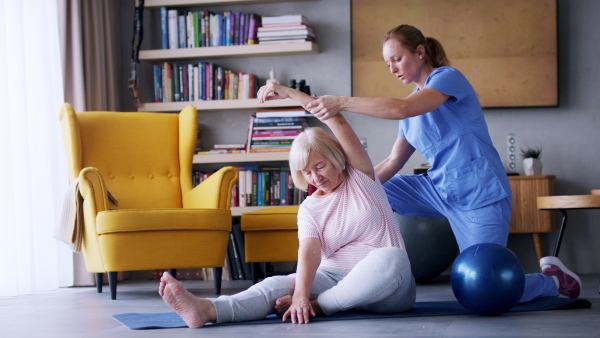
{"x": 466, "y": 169}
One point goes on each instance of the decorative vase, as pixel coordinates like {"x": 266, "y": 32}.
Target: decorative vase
{"x": 532, "y": 166}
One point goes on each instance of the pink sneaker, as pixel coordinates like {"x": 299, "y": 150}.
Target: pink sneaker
{"x": 569, "y": 282}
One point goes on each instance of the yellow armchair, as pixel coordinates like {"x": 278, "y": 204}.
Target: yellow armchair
{"x": 161, "y": 222}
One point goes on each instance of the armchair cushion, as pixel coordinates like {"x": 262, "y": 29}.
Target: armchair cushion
{"x": 133, "y": 220}
{"x": 280, "y": 218}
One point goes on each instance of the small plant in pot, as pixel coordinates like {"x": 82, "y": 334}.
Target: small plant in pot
{"x": 532, "y": 165}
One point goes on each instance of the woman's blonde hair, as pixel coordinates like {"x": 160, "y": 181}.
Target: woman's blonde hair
{"x": 318, "y": 141}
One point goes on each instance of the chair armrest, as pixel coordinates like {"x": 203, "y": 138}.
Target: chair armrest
{"x": 214, "y": 192}
{"x": 92, "y": 186}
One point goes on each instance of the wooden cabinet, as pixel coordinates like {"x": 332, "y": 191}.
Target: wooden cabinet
{"x": 526, "y": 217}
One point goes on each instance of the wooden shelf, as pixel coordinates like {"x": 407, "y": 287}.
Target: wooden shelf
{"x": 275, "y": 49}
{"x": 217, "y": 105}
{"x": 238, "y": 211}
{"x": 241, "y": 158}
{"x": 191, "y": 3}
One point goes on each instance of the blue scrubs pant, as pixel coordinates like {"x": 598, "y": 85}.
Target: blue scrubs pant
{"x": 415, "y": 195}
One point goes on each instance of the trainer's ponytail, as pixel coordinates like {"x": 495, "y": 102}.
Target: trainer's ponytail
{"x": 411, "y": 37}
{"x": 436, "y": 54}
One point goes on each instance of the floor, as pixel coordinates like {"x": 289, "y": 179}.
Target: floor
{"x": 81, "y": 312}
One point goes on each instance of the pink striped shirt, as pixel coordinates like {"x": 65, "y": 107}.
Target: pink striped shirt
{"x": 351, "y": 221}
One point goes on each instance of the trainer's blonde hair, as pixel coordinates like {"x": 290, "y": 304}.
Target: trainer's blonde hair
{"x": 318, "y": 141}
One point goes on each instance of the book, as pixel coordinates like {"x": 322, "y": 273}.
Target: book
{"x": 284, "y": 27}
{"x": 294, "y": 112}
{"x": 252, "y": 29}
{"x": 284, "y": 19}
{"x": 248, "y": 173}
{"x": 164, "y": 28}
{"x": 238, "y": 237}
{"x": 229, "y": 146}
{"x": 157, "y": 83}
{"x": 265, "y": 42}
{"x": 242, "y": 188}
{"x": 172, "y": 17}
{"x": 181, "y": 31}
{"x": 287, "y": 33}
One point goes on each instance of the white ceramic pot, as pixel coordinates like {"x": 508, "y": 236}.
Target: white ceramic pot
{"x": 532, "y": 166}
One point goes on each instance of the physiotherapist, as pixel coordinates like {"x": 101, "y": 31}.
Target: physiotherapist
{"x": 443, "y": 120}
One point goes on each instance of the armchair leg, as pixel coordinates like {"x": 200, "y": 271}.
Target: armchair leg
{"x": 99, "y": 278}
{"x": 254, "y": 268}
{"x": 217, "y": 274}
{"x": 112, "y": 283}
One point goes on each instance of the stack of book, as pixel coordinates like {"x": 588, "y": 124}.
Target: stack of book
{"x": 232, "y": 148}
{"x": 285, "y": 29}
{"x": 175, "y": 81}
{"x": 275, "y": 130}
{"x": 193, "y": 29}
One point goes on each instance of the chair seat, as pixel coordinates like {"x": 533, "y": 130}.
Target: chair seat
{"x": 279, "y": 218}
{"x": 134, "y": 220}
{"x": 271, "y": 234}
{"x": 568, "y": 202}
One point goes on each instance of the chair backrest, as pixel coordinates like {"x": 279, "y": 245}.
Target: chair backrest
{"x": 145, "y": 158}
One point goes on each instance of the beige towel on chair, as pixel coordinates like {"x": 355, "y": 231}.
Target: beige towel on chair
{"x": 69, "y": 229}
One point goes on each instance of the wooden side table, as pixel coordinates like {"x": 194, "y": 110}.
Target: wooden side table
{"x": 564, "y": 203}
{"x": 526, "y": 217}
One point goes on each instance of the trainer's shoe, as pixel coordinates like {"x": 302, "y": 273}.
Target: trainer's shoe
{"x": 569, "y": 283}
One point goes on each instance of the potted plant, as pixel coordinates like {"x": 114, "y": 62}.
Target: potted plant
{"x": 532, "y": 165}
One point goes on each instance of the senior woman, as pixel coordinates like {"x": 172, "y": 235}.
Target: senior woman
{"x": 351, "y": 253}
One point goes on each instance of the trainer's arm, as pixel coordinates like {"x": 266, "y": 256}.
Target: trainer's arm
{"x": 401, "y": 152}
{"x": 415, "y": 104}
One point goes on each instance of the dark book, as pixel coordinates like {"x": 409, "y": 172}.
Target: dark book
{"x": 176, "y": 83}
{"x": 238, "y": 236}
{"x": 231, "y": 257}
{"x": 238, "y": 263}
{"x": 255, "y": 188}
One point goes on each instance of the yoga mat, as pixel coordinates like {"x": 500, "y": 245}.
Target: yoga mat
{"x": 164, "y": 320}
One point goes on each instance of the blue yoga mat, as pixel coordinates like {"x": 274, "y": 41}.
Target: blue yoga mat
{"x": 164, "y": 320}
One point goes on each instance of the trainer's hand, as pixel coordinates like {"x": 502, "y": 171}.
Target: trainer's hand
{"x": 272, "y": 91}
{"x": 324, "y": 107}
{"x": 300, "y": 311}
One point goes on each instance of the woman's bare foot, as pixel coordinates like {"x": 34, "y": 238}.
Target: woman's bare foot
{"x": 282, "y": 305}
{"x": 193, "y": 310}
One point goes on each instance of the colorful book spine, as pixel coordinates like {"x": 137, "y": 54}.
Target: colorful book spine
{"x": 164, "y": 28}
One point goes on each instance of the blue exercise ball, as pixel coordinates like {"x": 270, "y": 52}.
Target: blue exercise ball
{"x": 430, "y": 245}
{"x": 487, "y": 279}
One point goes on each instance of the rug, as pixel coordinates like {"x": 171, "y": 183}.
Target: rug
{"x": 164, "y": 320}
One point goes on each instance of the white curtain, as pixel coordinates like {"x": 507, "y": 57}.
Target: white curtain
{"x": 32, "y": 163}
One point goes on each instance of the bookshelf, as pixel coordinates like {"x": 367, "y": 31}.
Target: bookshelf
{"x": 190, "y": 3}
{"x": 155, "y": 56}
{"x": 276, "y": 49}
{"x": 216, "y": 105}
{"x": 242, "y": 158}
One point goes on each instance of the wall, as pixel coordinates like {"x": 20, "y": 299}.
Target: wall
{"x": 568, "y": 133}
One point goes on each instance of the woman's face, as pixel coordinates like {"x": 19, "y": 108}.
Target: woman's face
{"x": 404, "y": 64}
{"x": 321, "y": 173}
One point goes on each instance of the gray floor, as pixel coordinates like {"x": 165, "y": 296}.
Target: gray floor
{"x": 81, "y": 312}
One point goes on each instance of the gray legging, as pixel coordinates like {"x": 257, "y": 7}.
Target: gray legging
{"x": 380, "y": 283}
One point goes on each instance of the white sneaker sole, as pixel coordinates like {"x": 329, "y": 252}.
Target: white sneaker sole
{"x": 551, "y": 260}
